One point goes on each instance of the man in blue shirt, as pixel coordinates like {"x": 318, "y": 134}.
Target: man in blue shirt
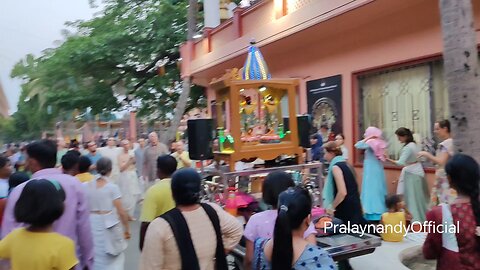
{"x": 93, "y": 156}
{"x": 316, "y": 147}
{"x": 5, "y": 172}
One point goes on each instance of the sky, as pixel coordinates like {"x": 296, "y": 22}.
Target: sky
{"x": 30, "y": 26}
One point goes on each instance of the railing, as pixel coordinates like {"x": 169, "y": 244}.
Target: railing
{"x": 340, "y": 247}
{"x": 309, "y": 175}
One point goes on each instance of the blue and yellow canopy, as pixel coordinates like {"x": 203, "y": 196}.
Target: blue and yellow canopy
{"x": 255, "y": 67}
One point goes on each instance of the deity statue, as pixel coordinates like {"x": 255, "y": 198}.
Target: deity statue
{"x": 247, "y": 113}
{"x": 270, "y": 106}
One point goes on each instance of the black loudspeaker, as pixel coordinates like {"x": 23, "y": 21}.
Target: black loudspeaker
{"x": 286, "y": 124}
{"x": 200, "y": 139}
{"x": 304, "y": 127}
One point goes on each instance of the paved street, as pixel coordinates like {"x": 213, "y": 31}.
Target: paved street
{"x": 132, "y": 253}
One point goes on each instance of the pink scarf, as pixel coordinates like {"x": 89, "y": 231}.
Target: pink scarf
{"x": 378, "y": 145}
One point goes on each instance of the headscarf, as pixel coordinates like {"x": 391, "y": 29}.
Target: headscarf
{"x": 329, "y": 187}
{"x": 378, "y": 145}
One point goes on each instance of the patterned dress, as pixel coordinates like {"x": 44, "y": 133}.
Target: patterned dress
{"x": 312, "y": 257}
{"x": 441, "y": 191}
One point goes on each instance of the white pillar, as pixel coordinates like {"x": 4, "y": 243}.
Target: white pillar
{"x": 211, "y": 13}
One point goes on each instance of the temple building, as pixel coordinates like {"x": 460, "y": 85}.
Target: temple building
{"x": 360, "y": 63}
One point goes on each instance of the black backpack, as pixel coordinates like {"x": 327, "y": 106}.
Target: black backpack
{"x": 180, "y": 230}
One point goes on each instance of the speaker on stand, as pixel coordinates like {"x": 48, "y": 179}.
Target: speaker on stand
{"x": 200, "y": 139}
{"x": 304, "y": 127}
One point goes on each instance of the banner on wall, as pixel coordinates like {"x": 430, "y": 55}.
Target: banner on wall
{"x": 324, "y": 98}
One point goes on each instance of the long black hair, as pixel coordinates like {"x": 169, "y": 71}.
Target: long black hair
{"x": 464, "y": 176}
{"x": 294, "y": 205}
{"x": 405, "y": 132}
{"x": 274, "y": 184}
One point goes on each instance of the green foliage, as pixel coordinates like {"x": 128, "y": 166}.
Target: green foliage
{"x": 105, "y": 59}
{"x": 7, "y": 130}
{"x": 29, "y": 121}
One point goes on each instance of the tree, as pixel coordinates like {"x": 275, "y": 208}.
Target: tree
{"x": 461, "y": 74}
{"x": 6, "y": 130}
{"x": 182, "y": 100}
{"x": 130, "y": 49}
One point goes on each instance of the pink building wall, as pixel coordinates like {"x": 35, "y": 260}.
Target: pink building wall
{"x": 368, "y": 36}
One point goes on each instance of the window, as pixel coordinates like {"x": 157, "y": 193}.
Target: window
{"x": 413, "y": 97}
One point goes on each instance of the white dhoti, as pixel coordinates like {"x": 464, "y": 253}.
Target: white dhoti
{"x": 130, "y": 188}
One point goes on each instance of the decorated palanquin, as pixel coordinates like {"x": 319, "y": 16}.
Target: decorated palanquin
{"x": 249, "y": 114}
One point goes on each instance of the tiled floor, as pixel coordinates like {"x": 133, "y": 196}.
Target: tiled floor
{"x": 388, "y": 256}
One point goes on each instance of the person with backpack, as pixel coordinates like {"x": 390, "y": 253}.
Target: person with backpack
{"x": 192, "y": 235}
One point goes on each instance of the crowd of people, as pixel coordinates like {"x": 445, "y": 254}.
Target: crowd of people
{"x": 99, "y": 189}
{"x": 454, "y": 198}
{"x": 67, "y": 209}
{"x": 411, "y": 185}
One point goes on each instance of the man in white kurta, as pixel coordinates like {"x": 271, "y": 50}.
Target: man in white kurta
{"x": 128, "y": 180}
{"x": 112, "y": 152}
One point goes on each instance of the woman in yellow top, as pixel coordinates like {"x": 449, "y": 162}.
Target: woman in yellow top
{"x": 37, "y": 247}
{"x": 84, "y": 175}
{"x": 395, "y": 220}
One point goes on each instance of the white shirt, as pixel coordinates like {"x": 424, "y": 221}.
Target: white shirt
{"x": 4, "y": 188}
{"x": 112, "y": 154}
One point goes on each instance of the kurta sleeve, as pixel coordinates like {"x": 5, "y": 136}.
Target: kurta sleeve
{"x": 231, "y": 228}
{"x": 404, "y": 155}
{"x": 362, "y": 145}
{"x": 149, "y": 208}
{"x": 145, "y": 162}
{"x": 84, "y": 232}
{"x": 115, "y": 192}
{"x": 251, "y": 229}
{"x": 310, "y": 230}
{"x": 9, "y": 223}
{"x": 433, "y": 243}
{"x": 152, "y": 256}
